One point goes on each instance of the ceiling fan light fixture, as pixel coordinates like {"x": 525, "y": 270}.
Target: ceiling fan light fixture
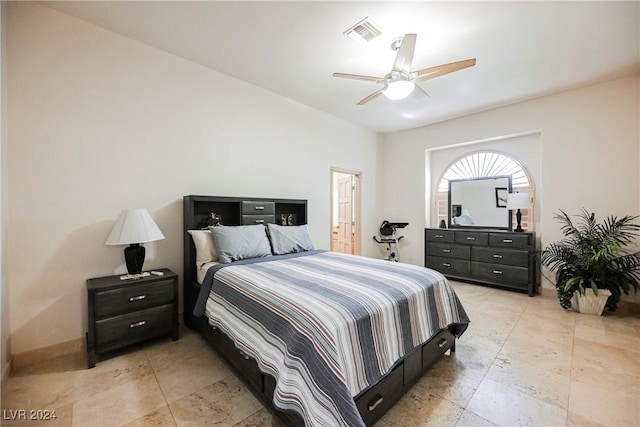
{"x": 399, "y": 89}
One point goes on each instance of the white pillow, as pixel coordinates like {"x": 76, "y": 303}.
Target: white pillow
{"x": 234, "y": 243}
{"x": 205, "y": 249}
{"x": 289, "y": 239}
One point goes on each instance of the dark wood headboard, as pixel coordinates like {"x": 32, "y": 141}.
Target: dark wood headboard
{"x": 197, "y": 210}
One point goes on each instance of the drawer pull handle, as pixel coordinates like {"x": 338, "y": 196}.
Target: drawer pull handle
{"x": 259, "y": 221}
{"x": 446, "y": 251}
{"x": 442, "y": 342}
{"x": 243, "y": 355}
{"x": 259, "y": 208}
{"x": 375, "y": 402}
{"x": 497, "y": 256}
{"x": 507, "y": 241}
{"x": 137, "y": 324}
{"x": 497, "y": 272}
{"x": 439, "y": 236}
{"x": 137, "y": 298}
{"x": 471, "y": 238}
{"x": 446, "y": 264}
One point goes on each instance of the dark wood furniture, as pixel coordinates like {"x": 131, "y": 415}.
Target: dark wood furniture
{"x": 125, "y": 312}
{"x": 372, "y": 402}
{"x": 502, "y": 259}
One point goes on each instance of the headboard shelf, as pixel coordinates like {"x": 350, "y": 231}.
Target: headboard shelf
{"x": 197, "y": 211}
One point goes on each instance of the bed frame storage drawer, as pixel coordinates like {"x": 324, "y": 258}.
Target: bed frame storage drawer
{"x": 434, "y": 348}
{"x": 448, "y": 265}
{"x": 373, "y": 403}
{"x": 238, "y": 359}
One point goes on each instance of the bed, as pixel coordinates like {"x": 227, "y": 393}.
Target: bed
{"x": 321, "y": 338}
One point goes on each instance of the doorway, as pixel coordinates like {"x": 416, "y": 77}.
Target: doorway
{"x": 345, "y": 211}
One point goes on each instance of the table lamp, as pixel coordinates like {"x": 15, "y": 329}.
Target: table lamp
{"x": 518, "y": 201}
{"x": 134, "y": 226}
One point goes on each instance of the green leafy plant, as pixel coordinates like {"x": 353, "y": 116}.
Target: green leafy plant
{"x": 594, "y": 255}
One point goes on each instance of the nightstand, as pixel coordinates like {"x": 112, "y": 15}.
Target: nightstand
{"x": 125, "y": 312}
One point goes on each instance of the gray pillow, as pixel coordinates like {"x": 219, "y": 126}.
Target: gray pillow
{"x": 285, "y": 240}
{"x": 240, "y": 242}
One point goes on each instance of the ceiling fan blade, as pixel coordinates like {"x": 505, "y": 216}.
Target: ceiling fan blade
{"x": 370, "y": 97}
{"x": 404, "y": 57}
{"x": 359, "y": 77}
{"x": 424, "y": 92}
{"x": 441, "y": 70}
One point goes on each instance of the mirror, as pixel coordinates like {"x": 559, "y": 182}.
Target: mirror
{"x": 480, "y": 202}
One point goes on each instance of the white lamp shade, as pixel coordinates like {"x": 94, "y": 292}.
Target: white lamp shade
{"x": 398, "y": 89}
{"x": 134, "y": 226}
{"x": 518, "y": 201}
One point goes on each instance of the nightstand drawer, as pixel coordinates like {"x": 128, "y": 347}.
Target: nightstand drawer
{"x": 147, "y": 323}
{"x": 131, "y": 298}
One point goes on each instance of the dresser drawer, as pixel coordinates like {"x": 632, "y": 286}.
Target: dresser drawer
{"x": 511, "y": 240}
{"x": 131, "y": 298}
{"x": 472, "y": 237}
{"x": 448, "y": 266}
{"x": 500, "y": 256}
{"x": 448, "y": 250}
{"x": 373, "y": 403}
{"x": 258, "y": 219}
{"x": 258, "y": 208}
{"x": 506, "y": 274}
{"x": 146, "y": 323}
{"x": 439, "y": 235}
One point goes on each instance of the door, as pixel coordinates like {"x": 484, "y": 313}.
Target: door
{"x": 345, "y": 217}
{"x": 345, "y": 207}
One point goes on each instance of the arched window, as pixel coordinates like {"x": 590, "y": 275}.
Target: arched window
{"x": 483, "y": 164}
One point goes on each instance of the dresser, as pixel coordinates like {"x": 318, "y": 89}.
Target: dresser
{"x": 503, "y": 259}
{"x": 125, "y": 312}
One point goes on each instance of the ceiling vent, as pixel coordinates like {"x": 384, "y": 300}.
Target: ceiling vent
{"x": 364, "y": 31}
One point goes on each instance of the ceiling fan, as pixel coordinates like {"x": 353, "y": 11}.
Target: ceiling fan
{"x": 401, "y": 81}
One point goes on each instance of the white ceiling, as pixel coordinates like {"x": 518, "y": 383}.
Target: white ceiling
{"x": 523, "y": 49}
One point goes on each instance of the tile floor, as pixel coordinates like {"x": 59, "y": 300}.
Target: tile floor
{"x": 523, "y": 361}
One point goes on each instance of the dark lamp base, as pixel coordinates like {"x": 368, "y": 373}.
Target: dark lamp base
{"x": 519, "y": 219}
{"x": 134, "y": 258}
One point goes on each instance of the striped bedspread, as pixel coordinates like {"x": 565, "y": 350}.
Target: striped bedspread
{"x": 328, "y": 325}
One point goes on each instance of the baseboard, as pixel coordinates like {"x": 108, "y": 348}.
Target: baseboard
{"x": 625, "y": 307}
{"x": 47, "y": 353}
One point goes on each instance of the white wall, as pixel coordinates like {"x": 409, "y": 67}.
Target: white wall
{"x": 589, "y": 156}
{"x": 101, "y": 123}
{"x": 4, "y": 294}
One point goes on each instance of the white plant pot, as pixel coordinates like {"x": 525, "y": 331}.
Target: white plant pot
{"x": 590, "y": 303}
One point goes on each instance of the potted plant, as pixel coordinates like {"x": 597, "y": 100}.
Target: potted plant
{"x": 594, "y": 257}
